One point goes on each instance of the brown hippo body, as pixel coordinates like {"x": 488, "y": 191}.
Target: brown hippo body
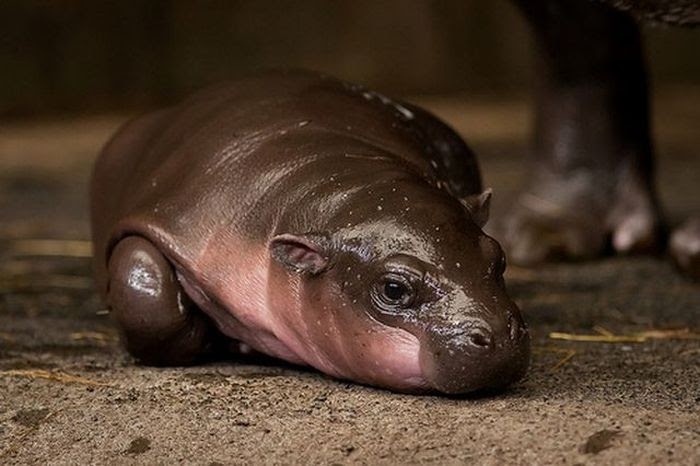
{"x": 311, "y": 220}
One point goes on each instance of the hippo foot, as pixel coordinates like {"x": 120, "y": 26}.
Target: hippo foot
{"x": 159, "y": 324}
{"x": 577, "y": 217}
{"x": 685, "y": 248}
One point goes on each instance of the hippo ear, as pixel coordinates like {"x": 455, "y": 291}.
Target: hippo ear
{"x": 478, "y": 206}
{"x": 299, "y": 253}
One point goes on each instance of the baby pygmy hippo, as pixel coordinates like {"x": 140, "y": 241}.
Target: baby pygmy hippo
{"x": 313, "y": 221}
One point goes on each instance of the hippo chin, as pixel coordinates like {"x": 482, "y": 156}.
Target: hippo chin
{"x": 311, "y": 220}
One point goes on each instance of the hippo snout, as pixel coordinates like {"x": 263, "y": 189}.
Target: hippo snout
{"x": 474, "y": 355}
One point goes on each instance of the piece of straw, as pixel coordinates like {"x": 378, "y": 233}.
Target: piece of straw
{"x": 51, "y": 247}
{"x": 637, "y": 337}
{"x": 55, "y": 376}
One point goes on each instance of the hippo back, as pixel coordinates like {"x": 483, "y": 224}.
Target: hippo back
{"x": 271, "y": 152}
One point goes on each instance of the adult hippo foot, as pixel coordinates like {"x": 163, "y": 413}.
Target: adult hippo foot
{"x": 591, "y": 177}
{"x": 685, "y": 248}
{"x": 581, "y": 216}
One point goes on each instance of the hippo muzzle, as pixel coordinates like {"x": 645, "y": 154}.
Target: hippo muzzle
{"x": 472, "y": 356}
{"x": 477, "y": 347}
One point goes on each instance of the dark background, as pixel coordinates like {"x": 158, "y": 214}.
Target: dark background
{"x": 59, "y": 56}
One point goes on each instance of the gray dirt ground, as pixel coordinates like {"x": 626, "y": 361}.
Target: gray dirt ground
{"x": 69, "y": 395}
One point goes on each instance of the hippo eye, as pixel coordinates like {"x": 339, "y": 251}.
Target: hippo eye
{"x": 393, "y": 291}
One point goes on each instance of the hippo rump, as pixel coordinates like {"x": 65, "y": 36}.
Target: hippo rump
{"x": 311, "y": 220}
{"x": 590, "y": 187}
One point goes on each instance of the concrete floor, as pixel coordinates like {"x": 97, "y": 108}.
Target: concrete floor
{"x": 69, "y": 395}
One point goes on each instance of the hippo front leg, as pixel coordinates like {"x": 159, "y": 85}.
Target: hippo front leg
{"x": 158, "y": 322}
{"x": 590, "y": 183}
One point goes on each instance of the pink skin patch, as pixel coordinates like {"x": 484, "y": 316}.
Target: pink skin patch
{"x": 256, "y": 301}
{"x": 340, "y": 339}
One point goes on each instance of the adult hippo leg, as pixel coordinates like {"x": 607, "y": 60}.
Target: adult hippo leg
{"x": 159, "y": 324}
{"x": 590, "y": 182}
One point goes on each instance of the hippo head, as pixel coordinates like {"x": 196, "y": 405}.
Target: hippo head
{"x": 406, "y": 293}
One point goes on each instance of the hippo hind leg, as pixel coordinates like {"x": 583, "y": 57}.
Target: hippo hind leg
{"x": 159, "y": 324}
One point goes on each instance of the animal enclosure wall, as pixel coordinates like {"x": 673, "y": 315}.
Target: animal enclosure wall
{"x": 79, "y": 54}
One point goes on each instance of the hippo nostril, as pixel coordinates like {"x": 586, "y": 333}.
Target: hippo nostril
{"x": 479, "y": 338}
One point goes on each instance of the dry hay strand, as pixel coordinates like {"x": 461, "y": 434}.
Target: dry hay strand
{"x": 30, "y": 283}
{"x": 689, "y": 352}
{"x": 567, "y": 352}
{"x": 596, "y": 338}
{"x": 54, "y": 376}
{"x": 606, "y": 336}
{"x": 671, "y": 334}
{"x": 76, "y": 282}
{"x": 51, "y": 247}
{"x": 513, "y": 272}
{"x": 95, "y": 337}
